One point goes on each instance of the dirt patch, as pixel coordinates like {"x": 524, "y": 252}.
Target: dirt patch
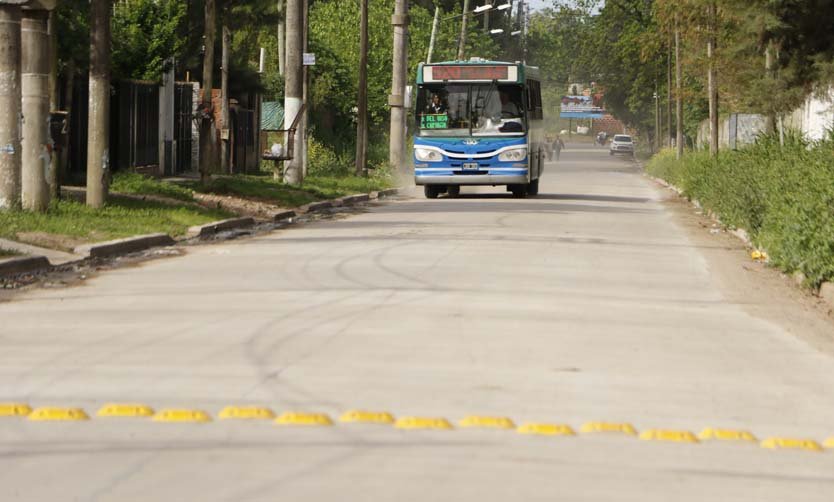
{"x": 759, "y": 289}
{"x": 243, "y": 207}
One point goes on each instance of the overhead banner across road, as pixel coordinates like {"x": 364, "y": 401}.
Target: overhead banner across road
{"x": 580, "y": 107}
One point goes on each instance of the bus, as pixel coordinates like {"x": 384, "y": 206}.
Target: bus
{"x": 478, "y": 123}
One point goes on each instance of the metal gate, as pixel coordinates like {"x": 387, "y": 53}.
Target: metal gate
{"x": 136, "y": 127}
{"x": 183, "y": 96}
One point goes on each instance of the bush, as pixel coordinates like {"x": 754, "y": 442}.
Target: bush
{"x": 782, "y": 195}
{"x": 324, "y": 161}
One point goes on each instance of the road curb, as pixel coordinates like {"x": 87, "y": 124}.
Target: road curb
{"x": 283, "y": 216}
{"x": 388, "y": 192}
{"x": 124, "y": 246}
{"x": 23, "y": 265}
{"x": 316, "y": 207}
{"x": 211, "y": 229}
{"x": 355, "y": 199}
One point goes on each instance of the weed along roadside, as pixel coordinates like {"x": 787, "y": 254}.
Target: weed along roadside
{"x": 145, "y": 213}
{"x": 774, "y": 197}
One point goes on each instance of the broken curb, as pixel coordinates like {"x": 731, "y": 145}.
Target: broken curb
{"x": 827, "y": 293}
{"x": 23, "y": 265}
{"x": 213, "y": 228}
{"x": 388, "y": 192}
{"x": 124, "y": 246}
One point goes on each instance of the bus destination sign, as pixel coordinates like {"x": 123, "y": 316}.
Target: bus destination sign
{"x": 469, "y": 72}
{"x": 434, "y": 121}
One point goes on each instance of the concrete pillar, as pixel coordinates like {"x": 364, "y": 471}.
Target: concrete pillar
{"x": 37, "y": 156}
{"x": 396, "y": 100}
{"x": 10, "y": 106}
{"x": 98, "y": 123}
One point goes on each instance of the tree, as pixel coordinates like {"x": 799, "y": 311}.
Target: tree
{"x": 146, "y": 33}
{"x": 207, "y": 134}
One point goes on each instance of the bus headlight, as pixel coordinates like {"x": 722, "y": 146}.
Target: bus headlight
{"x": 426, "y": 155}
{"x": 513, "y": 155}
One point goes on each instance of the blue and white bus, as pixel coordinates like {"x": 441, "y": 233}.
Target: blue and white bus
{"x": 478, "y": 123}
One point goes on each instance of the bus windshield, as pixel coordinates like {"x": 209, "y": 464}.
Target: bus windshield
{"x": 487, "y": 109}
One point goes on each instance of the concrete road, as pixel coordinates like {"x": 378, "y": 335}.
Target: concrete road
{"x": 595, "y": 301}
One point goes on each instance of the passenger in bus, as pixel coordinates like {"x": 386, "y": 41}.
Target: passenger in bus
{"x": 436, "y": 105}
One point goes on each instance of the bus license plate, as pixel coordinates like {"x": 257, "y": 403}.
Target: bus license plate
{"x": 470, "y": 165}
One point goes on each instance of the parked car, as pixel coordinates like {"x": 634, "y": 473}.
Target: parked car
{"x": 622, "y": 144}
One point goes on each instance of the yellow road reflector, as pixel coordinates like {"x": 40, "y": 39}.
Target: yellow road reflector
{"x": 294, "y": 418}
{"x": 14, "y": 409}
{"x": 758, "y": 255}
{"x": 591, "y": 427}
{"x": 246, "y": 413}
{"x": 725, "y": 435}
{"x": 125, "y": 410}
{"x": 829, "y": 443}
{"x": 487, "y": 422}
{"x": 177, "y": 415}
{"x": 546, "y": 429}
{"x": 423, "y": 423}
{"x": 791, "y": 444}
{"x": 48, "y": 413}
{"x": 367, "y": 417}
{"x": 668, "y": 435}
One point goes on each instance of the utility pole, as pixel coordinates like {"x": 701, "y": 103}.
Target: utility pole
{"x": 462, "y": 40}
{"x": 678, "y": 91}
{"x": 10, "y": 97}
{"x": 362, "y": 101}
{"x": 433, "y": 39}
{"x": 396, "y": 100}
{"x": 305, "y": 85}
{"x": 36, "y": 159}
{"x": 282, "y": 38}
{"x": 98, "y": 128}
{"x": 293, "y": 89}
{"x": 486, "y": 15}
{"x": 55, "y": 175}
{"x": 225, "y": 135}
{"x": 207, "y": 133}
{"x": 770, "y": 118}
{"x": 712, "y": 84}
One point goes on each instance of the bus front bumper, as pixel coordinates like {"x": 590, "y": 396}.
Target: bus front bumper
{"x": 471, "y": 179}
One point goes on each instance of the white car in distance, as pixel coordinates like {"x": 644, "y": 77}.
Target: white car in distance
{"x": 622, "y": 144}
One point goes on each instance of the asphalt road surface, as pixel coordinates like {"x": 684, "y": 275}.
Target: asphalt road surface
{"x": 595, "y": 301}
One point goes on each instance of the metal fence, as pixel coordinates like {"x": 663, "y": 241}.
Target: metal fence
{"x": 183, "y": 116}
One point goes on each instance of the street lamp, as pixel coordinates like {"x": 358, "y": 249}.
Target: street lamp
{"x": 496, "y": 31}
{"x": 482, "y": 8}
{"x": 504, "y": 7}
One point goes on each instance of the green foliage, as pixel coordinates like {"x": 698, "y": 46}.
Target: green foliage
{"x": 133, "y": 183}
{"x": 119, "y": 218}
{"x": 145, "y": 35}
{"x": 782, "y": 195}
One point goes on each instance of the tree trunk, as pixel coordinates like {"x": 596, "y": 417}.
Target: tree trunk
{"x": 225, "y": 161}
{"x": 282, "y": 37}
{"x": 712, "y": 84}
{"x": 10, "y": 97}
{"x": 669, "y": 100}
{"x": 207, "y": 132}
{"x": 98, "y": 129}
{"x": 678, "y": 93}
{"x": 362, "y": 101}
{"x": 293, "y": 88}
{"x": 770, "y": 117}
{"x": 462, "y": 40}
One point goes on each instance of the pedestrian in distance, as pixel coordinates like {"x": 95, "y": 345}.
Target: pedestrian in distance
{"x": 558, "y": 146}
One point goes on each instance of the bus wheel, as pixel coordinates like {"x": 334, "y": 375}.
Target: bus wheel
{"x": 431, "y": 191}
{"x": 533, "y": 187}
{"x": 519, "y": 191}
{"x": 453, "y": 191}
